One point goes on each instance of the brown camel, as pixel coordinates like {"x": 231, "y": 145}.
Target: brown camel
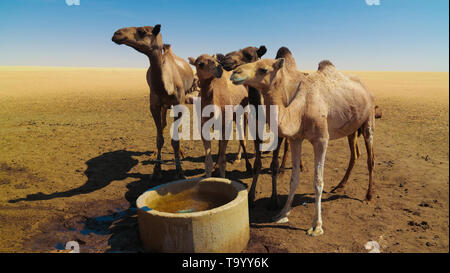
{"x": 328, "y": 105}
{"x": 217, "y": 89}
{"x": 168, "y": 77}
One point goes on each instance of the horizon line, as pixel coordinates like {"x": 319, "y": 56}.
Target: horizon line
{"x": 5, "y": 67}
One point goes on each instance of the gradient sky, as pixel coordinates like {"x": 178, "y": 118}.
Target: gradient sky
{"x": 405, "y": 35}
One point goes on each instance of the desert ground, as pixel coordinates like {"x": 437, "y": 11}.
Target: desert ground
{"x": 77, "y": 147}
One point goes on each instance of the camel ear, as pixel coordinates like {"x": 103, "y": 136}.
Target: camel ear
{"x": 156, "y": 29}
{"x": 191, "y": 60}
{"x": 261, "y": 51}
{"x": 278, "y": 63}
{"x": 220, "y": 57}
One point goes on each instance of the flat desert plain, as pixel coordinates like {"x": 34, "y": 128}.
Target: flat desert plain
{"x": 77, "y": 148}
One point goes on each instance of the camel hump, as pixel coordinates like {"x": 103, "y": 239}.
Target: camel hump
{"x": 323, "y": 64}
{"x": 285, "y": 53}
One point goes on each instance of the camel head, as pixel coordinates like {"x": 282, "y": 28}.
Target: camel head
{"x": 236, "y": 58}
{"x": 143, "y": 39}
{"x": 258, "y": 74}
{"x": 207, "y": 67}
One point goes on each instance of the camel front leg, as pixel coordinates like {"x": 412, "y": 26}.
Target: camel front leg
{"x": 320, "y": 151}
{"x": 176, "y": 153}
{"x": 256, "y": 171}
{"x": 222, "y": 157}
{"x": 274, "y": 202}
{"x": 156, "y": 114}
{"x": 296, "y": 150}
{"x": 208, "y": 157}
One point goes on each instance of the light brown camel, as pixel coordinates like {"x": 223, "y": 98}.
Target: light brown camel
{"x": 230, "y": 61}
{"x": 328, "y": 105}
{"x": 168, "y": 77}
{"x": 217, "y": 89}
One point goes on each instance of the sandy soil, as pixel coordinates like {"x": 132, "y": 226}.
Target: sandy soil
{"x": 76, "y": 149}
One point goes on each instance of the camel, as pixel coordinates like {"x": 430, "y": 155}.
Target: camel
{"x": 248, "y": 55}
{"x": 168, "y": 77}
{"x": 328, "y": 105}
{"x": 217, "y": 89}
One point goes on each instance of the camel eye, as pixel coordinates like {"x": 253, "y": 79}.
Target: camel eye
{"x": 141, "y": 32}
{"x": 201, "y": 65}
{"x": 263, "y": 70}
{"x": 248, "y": 56}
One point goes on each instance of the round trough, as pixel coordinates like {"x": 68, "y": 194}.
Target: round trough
{"x": 202, "y": 215}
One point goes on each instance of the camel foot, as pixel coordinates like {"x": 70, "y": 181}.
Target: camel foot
{"x": 157, "y": 172}
{"x": 180, "y": 175}
{"x": 338, "y": 188}
{"x": 156, "y": 176}
{"x": 315, "y": 231}
{"x": 368, "y": 197}
{"x": 216, "y": 173}
{"x": 282, "y": 220}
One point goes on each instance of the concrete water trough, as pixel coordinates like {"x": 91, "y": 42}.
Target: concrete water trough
{"x": 202, "y": 215}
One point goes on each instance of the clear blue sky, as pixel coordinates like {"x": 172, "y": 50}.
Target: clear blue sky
{"x": 403, "y": 35}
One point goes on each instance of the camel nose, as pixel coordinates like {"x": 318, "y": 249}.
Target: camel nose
{"x": 117, "y": 36}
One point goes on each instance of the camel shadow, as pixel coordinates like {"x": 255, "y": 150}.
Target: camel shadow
{"x": 261, "y": 214}
{"x": 100, "y": 172}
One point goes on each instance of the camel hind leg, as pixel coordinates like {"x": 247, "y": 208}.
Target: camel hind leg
{"x": 354, "y": 154}
{"x": 368, "y": 131}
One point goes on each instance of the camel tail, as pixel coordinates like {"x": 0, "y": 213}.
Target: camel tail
{"x": 285, "y": 53}
{"x": 378, "y": 113}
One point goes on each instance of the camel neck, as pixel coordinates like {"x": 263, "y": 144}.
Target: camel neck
{"x": 205, "y": 88}
{"x": 155, "y": 57}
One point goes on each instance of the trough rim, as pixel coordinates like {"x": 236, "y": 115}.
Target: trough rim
{"x": 241, "y": 196}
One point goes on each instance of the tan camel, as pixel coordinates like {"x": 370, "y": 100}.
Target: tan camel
{"x": 217, "y": 89}
{"x": 328, "y": 105}
{"x": 168, "y": 77}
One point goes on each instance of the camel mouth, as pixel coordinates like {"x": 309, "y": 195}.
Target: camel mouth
{"x": 237, "y": 81}
{"x": 119, "y": 41}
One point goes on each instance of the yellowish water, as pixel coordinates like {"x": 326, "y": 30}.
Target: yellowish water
{"x": 189, "y": 201}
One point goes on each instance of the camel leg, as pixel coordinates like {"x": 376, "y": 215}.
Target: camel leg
{"x": 176, "y": 152}
{"x": 242, "y": 144}
{"x": 353, "y": 156}
{"x": 222, "y": 159}
{"x": 320, "y": 151}
{"x": 216, "y": 171}
{"x": 368, "y": 139}
{"x": 296, "y": 149}
{"x": 285, "y": 155}
{"x": 255, "y": 100}
{"x": 208, "y": 157}
{"x": 248, "y": 166}
{"x": 274, "y": 203}
{"x": 256, "y": 171}
{"x": 156, "y": 111}
{"x": 181, "y": 154}
{"x": 286, "y": 150}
